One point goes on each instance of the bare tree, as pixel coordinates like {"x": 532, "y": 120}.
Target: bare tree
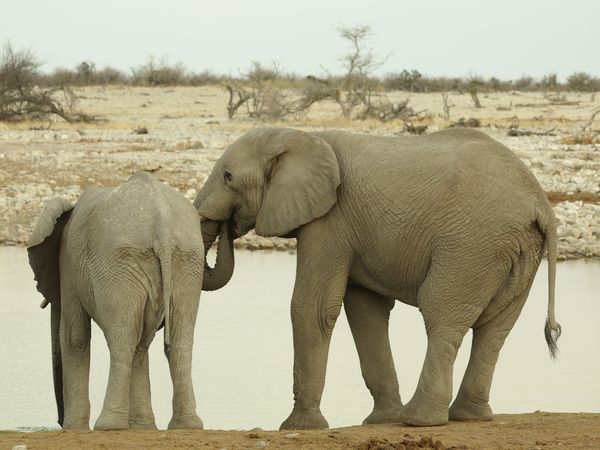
{"x": 356, "y": 87}
{"x": 21, "y": 98}
{"x": 447, "y": 105}
{"x": 261, "y": 92}
{"x": 474, "y": 83}
{"x": 238, "y": 95}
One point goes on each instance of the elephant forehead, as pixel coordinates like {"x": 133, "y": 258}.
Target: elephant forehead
{"x": 255, "y": 141}
{"x": 240, "y": 154}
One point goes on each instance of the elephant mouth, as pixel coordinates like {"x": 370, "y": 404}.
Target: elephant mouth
{"x": 237, "y": 227}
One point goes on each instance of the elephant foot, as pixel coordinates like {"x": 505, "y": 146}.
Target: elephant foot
{"x": 304, "y": 419}
{"x": 423, "y": 411}
{"x": 110, "y": 421}
{"x": 67, "y": 425}
{"x": 142, "y": 425}
{"x": 464, "y": 410}
{"x": 385, "y": 414}
{"x": 190, "y": 422}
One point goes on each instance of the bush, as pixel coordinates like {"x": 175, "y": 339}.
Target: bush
{"x": 160, "y": 73}
{"x": 583, "y": 82}
{"x": 22, "y": 99}
{"x": 204, "y": 78}
{"x": 411, "y": 81}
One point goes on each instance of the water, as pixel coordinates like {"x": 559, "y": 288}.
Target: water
{"x": 243, "y": 351}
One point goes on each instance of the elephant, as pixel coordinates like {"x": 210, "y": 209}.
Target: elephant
{"x": 131, "y": 258}
{"x": 451, "y": 222}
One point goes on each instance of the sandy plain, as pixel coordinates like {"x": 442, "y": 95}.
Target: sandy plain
{"x": 188, "y": 130}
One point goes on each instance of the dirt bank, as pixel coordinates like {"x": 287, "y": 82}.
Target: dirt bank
{"x": 538, "y": 430}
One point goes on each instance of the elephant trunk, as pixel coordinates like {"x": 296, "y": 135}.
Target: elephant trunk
{"x": 217, "y": 277}
{"x": 57, "y": 360}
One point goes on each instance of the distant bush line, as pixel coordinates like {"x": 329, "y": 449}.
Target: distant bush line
{"x": 162, "y": 73}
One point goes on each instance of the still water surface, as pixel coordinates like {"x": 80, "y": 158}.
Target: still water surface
{"x": 243, "y": 357}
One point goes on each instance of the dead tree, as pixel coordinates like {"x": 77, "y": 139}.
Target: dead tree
{"x": 357, "y": 84}
{"x": 447, "y": 105}
{"x": 237, "y": 97}
{"x": 21, "y": 98}
{"x": 473, "y": 88}
{"x": 355, "y": 88}
{"x": 261, "y": 93}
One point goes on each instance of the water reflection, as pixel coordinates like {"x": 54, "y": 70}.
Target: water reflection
{"x": 243, "y": 351}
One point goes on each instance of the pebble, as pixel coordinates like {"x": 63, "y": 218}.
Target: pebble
{"x": 291, "y": 435}
{"x": 558, "y": 167}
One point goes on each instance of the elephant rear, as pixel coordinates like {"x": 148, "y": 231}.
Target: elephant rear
{"x": 151, "y": 234}
{"x": 126, "y": 257}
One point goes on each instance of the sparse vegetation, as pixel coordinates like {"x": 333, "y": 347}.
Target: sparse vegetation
{"x": 358, "y": 63}
{"x": 261, "y": 93}
{"x": 447, "y": 105}
{"x": 473, "y": 89}
{"x": 356, "y": 91}
{"x": 159, "y": 72}
{"x": 22, "y": 99}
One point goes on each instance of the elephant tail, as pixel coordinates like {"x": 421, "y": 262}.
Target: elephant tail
{"x": 164, "y": 253}
{"x": 552, "y": 329}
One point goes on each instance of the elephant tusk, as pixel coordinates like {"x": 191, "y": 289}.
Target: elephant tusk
{"x": 44, "y": 303}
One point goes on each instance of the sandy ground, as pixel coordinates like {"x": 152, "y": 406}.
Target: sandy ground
{"x": 507, "y": 431}
{"x": 188, "y": 130}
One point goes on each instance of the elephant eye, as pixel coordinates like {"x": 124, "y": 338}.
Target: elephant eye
{"x": 227, "y": 176}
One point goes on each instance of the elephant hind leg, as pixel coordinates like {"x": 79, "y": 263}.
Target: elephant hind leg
{"x": 472, "y": 401}
{"x": 122, "y": 310}
{"x": 184, "y": 309}
{"x": 450, "y": 300}
{"x": 368, "y": 315}
{"x": 489, "y": 334}
{"x": 141, "y": 416}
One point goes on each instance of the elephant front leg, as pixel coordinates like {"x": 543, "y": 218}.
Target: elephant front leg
{"x": 316, "y": 304}
{"x": 368, "y": 315}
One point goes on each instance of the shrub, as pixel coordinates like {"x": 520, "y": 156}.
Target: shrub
{"x": 581, "y": 81}
{"x": 160, "y": 73}
{"x": 22, "y": 99}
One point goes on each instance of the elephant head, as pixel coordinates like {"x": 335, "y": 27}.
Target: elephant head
{"x": 43, "y": 252}
{"x": 273, "y": 180}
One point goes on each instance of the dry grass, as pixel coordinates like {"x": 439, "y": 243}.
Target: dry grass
{"x": 581, "y": 139}
{"x": 585, "y": 197}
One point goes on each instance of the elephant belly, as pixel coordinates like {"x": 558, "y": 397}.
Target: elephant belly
{"x": 389, "y": 286}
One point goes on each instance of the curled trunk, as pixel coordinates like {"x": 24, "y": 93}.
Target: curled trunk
{"x": 217, "y": 277}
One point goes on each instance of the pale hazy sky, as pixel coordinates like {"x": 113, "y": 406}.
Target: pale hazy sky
{"x": 505, "y": 38}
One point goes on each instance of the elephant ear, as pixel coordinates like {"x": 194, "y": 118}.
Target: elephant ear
{"x": 303, "y": 175}
{"x": 44, "y": 247}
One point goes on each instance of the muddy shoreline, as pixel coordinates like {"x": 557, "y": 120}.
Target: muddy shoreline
{"x": 539, "y": 430}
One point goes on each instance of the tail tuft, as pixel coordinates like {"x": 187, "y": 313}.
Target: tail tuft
{"x": 552, "y": 333}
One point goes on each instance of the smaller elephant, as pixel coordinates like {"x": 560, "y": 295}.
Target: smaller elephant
{"x": 131, "y": 258}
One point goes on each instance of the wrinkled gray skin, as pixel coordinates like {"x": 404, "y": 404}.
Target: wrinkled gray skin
{"x": 452, "y": 223}
{"x": 129, "y": 258}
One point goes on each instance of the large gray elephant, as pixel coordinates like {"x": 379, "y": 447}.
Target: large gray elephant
{"x": 451, "y": 222}
{"x": 130, "y": 258}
